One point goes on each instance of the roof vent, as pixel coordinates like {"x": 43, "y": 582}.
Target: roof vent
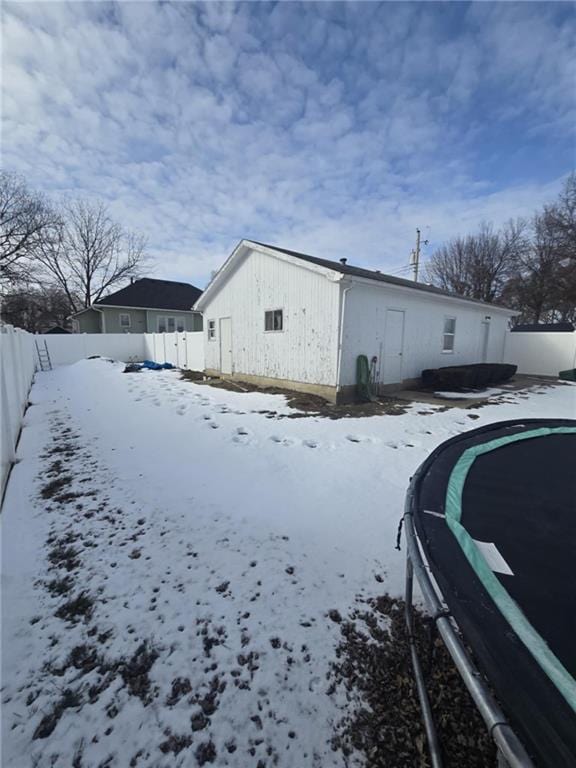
{"x": 343, "y": 261}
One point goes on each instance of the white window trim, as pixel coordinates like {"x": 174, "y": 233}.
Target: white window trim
{"x": 213, "y": 328}
{"x": 452, "y": 335}
{"x": 274, "y": 330}
{"x": 166, "y": 319}
{"x": 120, "y": 323}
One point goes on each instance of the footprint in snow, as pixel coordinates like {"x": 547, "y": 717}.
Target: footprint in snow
{"x": 213, "y": 425}
{"x": 287, "y": 441}
{"x": 359, "y": 439}
{"x": 181, "y": 410}
{"x": 310, "y": 443}
{"x": 241, "y": 436}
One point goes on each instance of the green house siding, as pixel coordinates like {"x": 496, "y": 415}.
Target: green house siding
{"x": 192, "y": 320}
{"x": 107, "y": 320}
{"x": 112, "y": 320}
{"x": 88, "y": 322}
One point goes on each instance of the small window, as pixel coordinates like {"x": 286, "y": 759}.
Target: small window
{"x": 161, "y": 325}
{"x": 273, "y": 320}
{"x": 211, "y": 330}
{"x": 171, "y": 324}
{"x": 449, "y": 334}
{"x": 124, "y": 320}
{"x": 180, "y": 324}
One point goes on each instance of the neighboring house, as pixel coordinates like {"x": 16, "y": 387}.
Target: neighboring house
{"x": 144, "y": 306}
{"x": 278, "y": 317}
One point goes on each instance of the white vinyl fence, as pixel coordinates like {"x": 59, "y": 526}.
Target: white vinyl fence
{"x": 543, "y": 353}
{"x": 68, "y": 348}
{"x": 19, "y": 360}
{"x": 17, "y": 366}
{"x": 184, "y": 350}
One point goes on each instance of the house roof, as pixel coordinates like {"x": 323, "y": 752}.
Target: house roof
{"x": 370, "y": 274}
{"x": 154, "y": 294}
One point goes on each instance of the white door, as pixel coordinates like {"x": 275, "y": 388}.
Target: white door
{"x": 393, "y": 347}
{"x": 226, "y": 345}
{"x": 485, "y": 340}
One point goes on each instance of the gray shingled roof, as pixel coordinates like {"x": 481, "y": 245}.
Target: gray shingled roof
{"x": 369, "y": 274}
{"x": 154, "y": 294}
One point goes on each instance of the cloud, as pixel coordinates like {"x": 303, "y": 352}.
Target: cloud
{"x": 334, "y": 128}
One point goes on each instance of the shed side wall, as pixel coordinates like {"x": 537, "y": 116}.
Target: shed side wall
{"x": 305, "y": 350}
{"x": 364, "y": 328}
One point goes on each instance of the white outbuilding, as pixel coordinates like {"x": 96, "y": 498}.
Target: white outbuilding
{"x": 275, "y": 317}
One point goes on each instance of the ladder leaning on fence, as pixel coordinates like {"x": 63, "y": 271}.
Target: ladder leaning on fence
{"x": 44, "y": 356}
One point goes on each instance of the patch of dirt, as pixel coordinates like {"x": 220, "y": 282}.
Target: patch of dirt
{"x": 135, "y": 671}
{"x": 193, "y": 375}
{"x": 375, "y": 670}
{"x": 54, "y": 487}
{"x": 59, "y": 586}
{"x": 308, "y": 404}
{"x": 181, "y": 686}
{"x": 69, "y": 700}
{"x": 175, "y": 744}
{"x": 206, "y": 753}
{"x": 63, "y": 556}
{"x": 77, "y": 609}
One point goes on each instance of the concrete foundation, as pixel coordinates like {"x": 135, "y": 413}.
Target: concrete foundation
{"x": 322, "y": 390}
{"x": 339, "y": 396}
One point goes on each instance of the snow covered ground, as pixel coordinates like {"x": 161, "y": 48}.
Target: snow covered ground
{"x": 171, "y": 553}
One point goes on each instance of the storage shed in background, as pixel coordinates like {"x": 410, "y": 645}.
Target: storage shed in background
{"x": 276, "y": 317}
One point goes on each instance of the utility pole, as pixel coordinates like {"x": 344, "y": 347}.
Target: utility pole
{"x": 415, "y": 255}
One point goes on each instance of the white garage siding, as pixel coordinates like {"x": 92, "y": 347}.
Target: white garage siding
{"x": 364, "y": 329}
{"x": 306, "y": 350}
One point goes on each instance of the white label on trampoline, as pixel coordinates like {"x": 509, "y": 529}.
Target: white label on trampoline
{"x": 435, "y": 514}
{"x": 493, "y": 557}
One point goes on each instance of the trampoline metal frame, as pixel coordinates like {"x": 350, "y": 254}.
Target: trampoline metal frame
{"x": 510, "y": 749}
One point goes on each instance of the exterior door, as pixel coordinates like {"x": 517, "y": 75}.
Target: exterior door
{"x": 485, "y": 340}
{"x": 393, "y": 347}
{"x": 225, "y": 345}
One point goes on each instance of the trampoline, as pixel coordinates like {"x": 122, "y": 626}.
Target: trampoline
{"x": 490, "y": 521}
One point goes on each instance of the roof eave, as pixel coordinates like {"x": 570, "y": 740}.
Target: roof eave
{"x": 432, "y": 294}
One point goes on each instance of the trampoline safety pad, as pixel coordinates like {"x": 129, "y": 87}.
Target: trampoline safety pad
{"x": 494, "y": 511}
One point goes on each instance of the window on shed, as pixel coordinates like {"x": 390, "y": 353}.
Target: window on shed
{"x": 449, "y": 334}
{"x": 161, "y": 325}
{"x": 171, "y": 324}
{"x": 211, "y": 330}
{"x": 124, "y": 320}
{"x": 273, "y": 320}
{"x": 180, "y": 324}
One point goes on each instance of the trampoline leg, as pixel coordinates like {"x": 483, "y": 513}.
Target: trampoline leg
{"x": 431, "y": 734}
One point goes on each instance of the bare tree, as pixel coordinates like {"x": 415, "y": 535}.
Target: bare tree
{"x": 36, "y": 309}
{"x": 479, "y": 266}
{"x": 561, "y": 219}
{"x": 90, "y": 254}
{"x": 544, "y": 285}
{"x": 26, "y": 222}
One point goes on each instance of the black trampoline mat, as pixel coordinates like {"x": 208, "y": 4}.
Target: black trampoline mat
{"x": 521, "y": 498}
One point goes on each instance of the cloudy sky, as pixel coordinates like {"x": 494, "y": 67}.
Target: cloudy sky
{"x": 331, "y": 128}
